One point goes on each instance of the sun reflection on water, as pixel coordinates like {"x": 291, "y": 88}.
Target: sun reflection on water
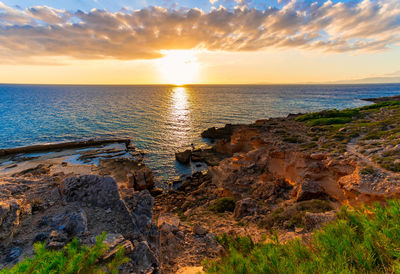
{"x": 179, "y": 117}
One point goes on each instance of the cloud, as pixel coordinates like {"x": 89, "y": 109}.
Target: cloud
{"x": 142, "y": 34}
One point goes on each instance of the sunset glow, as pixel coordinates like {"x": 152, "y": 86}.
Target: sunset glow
{"x": 199, "y": 42}
{"x": 179, "y": 67}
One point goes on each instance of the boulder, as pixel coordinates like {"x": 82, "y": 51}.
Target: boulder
{"x": 168, "y": 223}
{"x": 183, "y": 157}
{"x": 309, "y": 190}
{"x": 143, "y": 258}
{"x": 72, "y": 223}
{"x": 245, "y": 207}
{"x": 113, "y": 241}
{"x": 13, "y": 255}
{"x": 141, "y": 179}
{"x": 140, "y": 208}
{"x": 57, "y": 240}
{"x": 91, "y": 190}
{"x": 198, "y": 229}
{"x": 316, "y": 220}
{"x": 218, "y": 133}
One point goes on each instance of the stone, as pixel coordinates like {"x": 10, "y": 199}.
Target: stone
{"x": 143, "y": 258}
{"x": 140, "y": 207}
{"x": 309, "y": 190}
{"x": 141, "y": 179}
{"x": 14, "y": 253}
{"x": 57, "y": 240}
{"x": 113, "y": 241}
{"x": 198, "y": 229}
{"x": 183, "y": 157}
{"x": 91, "y": 190}
{"x": 218, "y": 133}
{"x": 73, "y": 223}
{"x": 317, "y": 220}
{"x": 245, "y": 207}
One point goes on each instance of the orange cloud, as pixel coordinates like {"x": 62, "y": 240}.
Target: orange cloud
{"x": 142, "y": 34}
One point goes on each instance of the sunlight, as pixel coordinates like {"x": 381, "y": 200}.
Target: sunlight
{"x": 179, "y": 67}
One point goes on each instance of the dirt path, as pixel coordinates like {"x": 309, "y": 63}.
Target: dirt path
{"x": 352, "y": 149}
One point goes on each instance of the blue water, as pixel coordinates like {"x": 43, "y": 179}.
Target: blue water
{"x": 159, "y": 119}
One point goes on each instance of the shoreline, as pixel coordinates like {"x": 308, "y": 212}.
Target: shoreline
{"x": 286, "y": 174}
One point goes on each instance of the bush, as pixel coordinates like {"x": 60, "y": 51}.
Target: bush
{"x": 382, "y": 104}
{"x": 72, "y": 259}
{"x": 293, "y": 215}
{"x": 328, "y": 121}
{"x": 223, "y": 204}
{"x": 364, "y": 240}
{"x": 334, "y": 113}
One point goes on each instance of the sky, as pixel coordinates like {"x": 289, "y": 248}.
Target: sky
{"x": 198, "y": 42}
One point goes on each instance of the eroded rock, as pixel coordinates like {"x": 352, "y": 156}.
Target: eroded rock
{"x": 91, "y": 190}
{"x": 245, "y": 207}
{"x": 309, "y": 190}
{"x": 141, "y": 179}
{"x": 183, "y": 157}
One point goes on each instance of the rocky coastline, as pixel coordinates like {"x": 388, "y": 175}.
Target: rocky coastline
{"x": 287, "y": 175}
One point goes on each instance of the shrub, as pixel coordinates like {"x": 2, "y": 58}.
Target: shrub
{"x": 328, "y": 121}
{"x": 382, "y": 104}
{"x": 293, "y": 215}
{"x": 368, "y": 170}
{"x": 72, "y": 259}
{"x": 223, "y": 204}
{"x": 364, "y": 240}
{"x": 334, "y": 113}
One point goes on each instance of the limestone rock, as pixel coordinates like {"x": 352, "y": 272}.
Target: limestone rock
{"x": 57, "y": 240}
{"x": 143, "y": 258}
{"x": 14, "y": 253}
{"x": 113, "y": 241}
{"x": 218, "y": 133}
{"x": 141, "y": 179}
{"x": 245, "y": 207}
{"x": 72, "y": 223}
{"x": 198, "y": 229}
{"x": 91, "y": 190}
{"x": 183, "y": 157}
{"x": 310, "y": 190}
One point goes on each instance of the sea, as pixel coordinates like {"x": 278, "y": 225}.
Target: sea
{"x": 159, "y": 119}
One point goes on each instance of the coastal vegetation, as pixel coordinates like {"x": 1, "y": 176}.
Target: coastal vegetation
{"x": 362, "y": 240}
{"x": 374, "y": 128}
{"x": 73, "y": 258}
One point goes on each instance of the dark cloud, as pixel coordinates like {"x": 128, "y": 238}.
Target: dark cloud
{"x": 142, "y": 34}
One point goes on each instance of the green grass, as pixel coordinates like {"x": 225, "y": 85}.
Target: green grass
{"x": 328, "y": 121}
{"x": 292, "y": 216}
{"x": 72, "y": 259}
{"x": 382, "y": 104}
{"x": 364, "y": 240}
{"x": 326, "y": 114}
{"x": 223, "y": 204}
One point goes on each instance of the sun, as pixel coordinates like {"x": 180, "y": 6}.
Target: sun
{"x": 179, "y": 67}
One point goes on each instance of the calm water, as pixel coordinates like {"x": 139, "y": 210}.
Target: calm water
{"x": 158, "y": 119}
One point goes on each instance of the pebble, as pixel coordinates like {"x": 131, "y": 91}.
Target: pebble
{"x": 14, "y": 253}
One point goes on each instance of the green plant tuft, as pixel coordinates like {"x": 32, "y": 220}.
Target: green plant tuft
{"x": 223, "y": 204}
{"x": 364, "y": 240}
{"x": 73, "y": 258}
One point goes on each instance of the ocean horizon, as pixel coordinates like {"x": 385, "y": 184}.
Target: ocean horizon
{"x": 160, "y": 119}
